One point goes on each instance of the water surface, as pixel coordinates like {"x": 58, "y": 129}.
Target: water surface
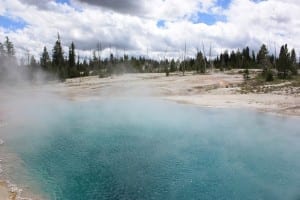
{"x": 147, "y": 149}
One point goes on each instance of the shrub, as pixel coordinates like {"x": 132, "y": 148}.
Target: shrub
{"x": 246, "y": 74}
{"x": 269, "y": 76}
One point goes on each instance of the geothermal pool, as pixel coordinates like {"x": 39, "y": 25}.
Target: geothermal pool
{"x": 149, "y": 149}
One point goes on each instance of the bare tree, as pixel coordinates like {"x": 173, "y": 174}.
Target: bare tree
{"x": 204, "y": 57}
{"x": 183, "y": 67}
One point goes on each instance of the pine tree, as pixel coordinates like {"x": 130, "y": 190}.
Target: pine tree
{"x": 246, "y": 57}
{"x": 2, "y": 54}
{"x": 253, "y": 59}
{"x": 33, "y": 64}
{"x": 45, "y": 60}
{"x": 33, "y": 68}
{"x": 294, "y": 69}
{"x": 284, "y": 62}
{"x": 239, "y": 59}
{"x": 226, "y": 58}
{"x": 72, "y": 71}
{"x": 172, "y": 66}
{"x": 233, "y": 61}
{"x": 200, "y": 63}
{"x": 94, "y": 61}
{"x": 9, "y": 52}
{"x": 58, "y": 60}
{"x": 2, "y": 51}
{"x": 264, "y": 63}
{"x": 9, "y": 47}
{"x": 262, "y": 57}
{"x": 2, "y": 60}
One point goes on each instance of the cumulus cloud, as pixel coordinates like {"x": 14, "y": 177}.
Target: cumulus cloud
{"x": 166, "y": 9}
{"x": 125, "y": 6}
{"x": 38, "y": 3}
{"x": 131, "y": 25}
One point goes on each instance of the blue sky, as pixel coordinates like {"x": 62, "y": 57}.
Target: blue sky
{"x": 224, "y": 3}
{"x": 11, "y": 23}
{"x": 200, "y": 17}
{"x": 161, "y": 23}
{"x": 63, "y": 1}
{"x": 207, "y": 18}
{"x": 139, "y": 25}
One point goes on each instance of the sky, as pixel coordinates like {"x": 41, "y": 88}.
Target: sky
{"x": 156, "y": 29}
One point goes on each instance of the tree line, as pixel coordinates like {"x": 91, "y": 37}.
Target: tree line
{"x": 58, "y": 65}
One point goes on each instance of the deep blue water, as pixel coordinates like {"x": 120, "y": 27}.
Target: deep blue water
{"x": 144, "y": 149}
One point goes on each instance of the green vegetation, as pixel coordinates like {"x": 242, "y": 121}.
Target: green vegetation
{"x": 287, "y": 64}
{"x": 58, "y": 65}
{"x": 277, "y": 74}
{"x": 259, "y": 84}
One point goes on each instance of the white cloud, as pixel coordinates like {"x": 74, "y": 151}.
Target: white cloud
{"x": 154, "y": 9}
{"x": 134, "y": 28}
{"x": 267, "y": 21}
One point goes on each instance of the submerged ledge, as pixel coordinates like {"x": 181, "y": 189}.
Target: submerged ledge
{"x": 237, "y": 101}
{"x": 6, "y": 192}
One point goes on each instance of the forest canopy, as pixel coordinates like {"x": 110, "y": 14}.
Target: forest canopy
{"x": 62, "y": 65}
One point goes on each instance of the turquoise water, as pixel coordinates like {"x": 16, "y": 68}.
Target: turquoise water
{"x": 126, "y": 149}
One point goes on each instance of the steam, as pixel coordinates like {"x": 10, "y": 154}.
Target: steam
{"x": 25, "y": 91}
{"x": 14, "y": 75}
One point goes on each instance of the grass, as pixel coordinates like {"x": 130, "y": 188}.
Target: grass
{"x": 258, "y": 84}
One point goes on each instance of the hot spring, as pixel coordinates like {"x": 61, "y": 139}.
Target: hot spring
{"x": 149, "y": 149}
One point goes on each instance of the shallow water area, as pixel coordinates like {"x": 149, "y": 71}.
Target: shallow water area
{"x": 151, "y": 149}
